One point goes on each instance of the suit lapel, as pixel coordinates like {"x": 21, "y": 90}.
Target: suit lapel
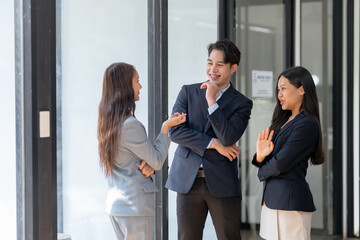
{"x": 288, "y": 125}
{"x": 226, "y": 98}
{"x": 204, "y": 104}
{"x": 204, "y": 108}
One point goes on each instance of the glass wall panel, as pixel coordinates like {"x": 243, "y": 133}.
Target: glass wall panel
{"x": 261, "y": 39}
{"x": 260, "y": 33}
{"x": 7, "y": 122}
{"x": 316, "y": 56}
{"x": 91, "y": 35}
{"x": 192, "y": 26}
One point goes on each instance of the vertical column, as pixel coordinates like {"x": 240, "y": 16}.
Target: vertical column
{"x": 227, "y": 20}
{"x": 227, "y": 23}
{"x": 290, "y": 32}
{"x": 344, "y": 113}
{"x": 356, "y": 43}
{"x": 338, "y": 120}
{"x": 297, "y": 38}
{"x": 349, "y": 93}
{"x": 326, "y": 100}
{"x": 59, "y": 145}
{"x": 36, "y": 119}
{"x": 158, "y": 99}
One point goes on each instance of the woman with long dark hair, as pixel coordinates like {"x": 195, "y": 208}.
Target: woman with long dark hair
{"x": 282, "y": 156}
{"x": 127, "y": 156}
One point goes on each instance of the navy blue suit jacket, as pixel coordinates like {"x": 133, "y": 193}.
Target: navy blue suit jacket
{"x": 283, "y": 171}
{"x": 227, "y": 124}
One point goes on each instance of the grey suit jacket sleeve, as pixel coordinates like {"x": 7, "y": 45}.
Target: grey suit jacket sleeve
{"x": 137, "y": 143}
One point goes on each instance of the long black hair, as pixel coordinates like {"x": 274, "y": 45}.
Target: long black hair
{"x": 299, "y": 76}
{"x": 117, "y": 104}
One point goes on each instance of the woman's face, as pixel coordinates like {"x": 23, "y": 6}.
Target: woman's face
{"x": 289, "y": 96}
{"x": 136, "y": 86}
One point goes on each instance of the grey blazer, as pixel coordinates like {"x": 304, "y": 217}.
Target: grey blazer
{"x": 131, "y": 193}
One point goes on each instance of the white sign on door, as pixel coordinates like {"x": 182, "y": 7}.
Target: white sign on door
{"x": 262, "y": 84}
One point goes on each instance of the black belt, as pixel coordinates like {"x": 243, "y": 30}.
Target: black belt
{"x": 200, "y": 173}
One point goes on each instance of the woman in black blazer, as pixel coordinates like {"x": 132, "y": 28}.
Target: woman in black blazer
{"x": 282, "y": 155}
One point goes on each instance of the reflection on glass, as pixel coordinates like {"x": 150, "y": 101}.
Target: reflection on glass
{"x": 260, "y": 36}
{"x": 91, "y": 36}
{"x": 7, "y": 122}
{"x": 316, "y": 47}
{"x": 192, "y": 26}
{"x": 311, "y": 50}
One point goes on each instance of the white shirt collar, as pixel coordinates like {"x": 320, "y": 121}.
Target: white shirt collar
{"x": 221, "y": 92}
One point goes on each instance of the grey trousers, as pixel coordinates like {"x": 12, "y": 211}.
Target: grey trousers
{"x": 133, "y": 228}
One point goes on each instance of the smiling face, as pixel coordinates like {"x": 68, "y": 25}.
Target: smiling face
{"x": 289, "y": 96}
{"x": 217, "y": 70}
{"x": 136, "y": 86}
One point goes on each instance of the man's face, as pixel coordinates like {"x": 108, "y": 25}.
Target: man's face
{"x": 217, "y": 70}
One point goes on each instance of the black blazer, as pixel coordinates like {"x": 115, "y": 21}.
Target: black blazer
{"x": 227, "y": 124}
{"x": 284, "y": 170}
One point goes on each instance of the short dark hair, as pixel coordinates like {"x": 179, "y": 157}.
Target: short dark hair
{"x": 231, "y": 52}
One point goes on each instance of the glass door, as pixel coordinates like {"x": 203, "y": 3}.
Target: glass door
{"x": 260, "y": 37}
{"x": 7, "y": 122}
{"x": 316, "y": 56}
{"x": 192, "y": 26}
{"x": 91, "y": 36}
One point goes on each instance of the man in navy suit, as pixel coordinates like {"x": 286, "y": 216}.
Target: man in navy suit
{"x": 204, "y": 171}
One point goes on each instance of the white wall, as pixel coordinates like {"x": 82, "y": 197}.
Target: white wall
{"x": 7, "y": 122}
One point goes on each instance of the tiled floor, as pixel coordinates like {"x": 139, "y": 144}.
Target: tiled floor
{"x": 254, "y": 235}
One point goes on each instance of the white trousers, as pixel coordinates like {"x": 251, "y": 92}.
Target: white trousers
{"x": 133, "y": 228}
{"x": 284, "y": 225}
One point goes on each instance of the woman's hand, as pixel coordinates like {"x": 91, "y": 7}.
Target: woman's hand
{"x": 228, "y": 151}
{"x": 145, "y": 169}
{"x": 264, "y": 145}
{"x": 174, "y": 120}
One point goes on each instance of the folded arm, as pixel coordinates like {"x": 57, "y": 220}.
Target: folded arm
{"x": 229, "y": 130}
{"x": 136, "y": 141}
{"x": 300, "y": 144}
{"x": 185, "y": 135}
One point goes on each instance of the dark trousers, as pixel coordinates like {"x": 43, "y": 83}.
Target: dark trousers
{"x": 192, "y": 209}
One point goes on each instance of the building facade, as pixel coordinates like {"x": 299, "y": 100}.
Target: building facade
{"x": 54, "y": 53}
